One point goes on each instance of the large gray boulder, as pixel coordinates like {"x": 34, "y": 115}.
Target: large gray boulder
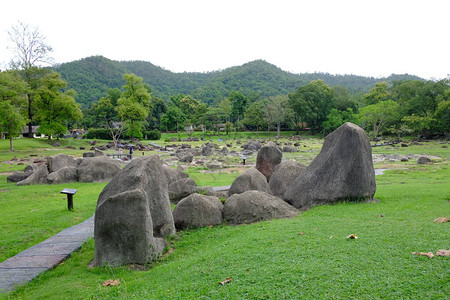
{"x": 124, "y": 230}
{"x": 38, "y": 177}
{"x": 30, "y": 169}
{"x": 97, "y": 169}
{"x": 255, "y": 206}
{"x": 269, "y": 156}
{"x": 65, "y": 174}
{"x": 181, "y": 188}
{"x": 252, "y": 146}
{"x": 17, "y": 176}
{"x": 423, "y": 160}
{"x": 186, "y": 157}
{"x": 197, "y": 211}
{"x": 173, "y": 174}
{"x": 224, "y": 151}
{"x": 145, "y": 173}
{"x": 342, "y": 171}
{"x": 290, "y": 149}
{"x": 251, "y": 179}
{"x": 98, "y": 152}
{"x": 59, "y": 161}
{"x": 285, "y": 173}
{"x": 206, "y": 150}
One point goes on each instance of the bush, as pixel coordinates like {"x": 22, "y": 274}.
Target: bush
{"x": 154, "y": 134}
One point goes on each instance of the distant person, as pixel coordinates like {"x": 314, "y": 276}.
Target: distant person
{"x": 131, "y": 152}
{"x": 120, "y": 152}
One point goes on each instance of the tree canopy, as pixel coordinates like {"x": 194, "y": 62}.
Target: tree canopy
{"x": 55, "y": 108}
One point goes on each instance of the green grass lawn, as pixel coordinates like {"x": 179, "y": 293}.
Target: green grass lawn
{"x": 306, "y": 257}
{"x": 31, "y": 214}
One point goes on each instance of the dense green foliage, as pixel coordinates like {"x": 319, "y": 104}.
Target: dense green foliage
{"x": 13, "y": 104}
{"x": 54, "y": 108}
{"x": 239, "y": 98}
{"x": 91, "y": 77}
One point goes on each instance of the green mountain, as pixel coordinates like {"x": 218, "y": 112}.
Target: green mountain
{"x": 91, "y": 77}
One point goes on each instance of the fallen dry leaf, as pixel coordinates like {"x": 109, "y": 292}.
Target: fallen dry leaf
{"x": 443, "y": 252}
{"x": 442, "y": 220}
{"x": 111, "y": 282}
{"x": 228, "y": 280}
{"x": 429, "y": 254}
{"x": 380, "y": 216}
{"x": 351, "y": 236}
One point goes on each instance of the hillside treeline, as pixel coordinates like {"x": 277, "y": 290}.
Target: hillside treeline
{"x": 91, "y": 78}
{"x": 41, "y": 96}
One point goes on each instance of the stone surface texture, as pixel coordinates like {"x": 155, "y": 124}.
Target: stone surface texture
{"x": 342, "y": 171}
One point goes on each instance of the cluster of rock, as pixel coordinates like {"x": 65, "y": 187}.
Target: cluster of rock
{"x": 185, "y": 153}
{"x": 393, "y": 158}
{"x": 62, "y": 168}
{"x": 133, "y": 214}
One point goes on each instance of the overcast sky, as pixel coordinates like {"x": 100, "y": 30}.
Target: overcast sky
{"x": 363, "y": 37}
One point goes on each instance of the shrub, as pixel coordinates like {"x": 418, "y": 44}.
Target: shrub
{"x": 154, "y": 134}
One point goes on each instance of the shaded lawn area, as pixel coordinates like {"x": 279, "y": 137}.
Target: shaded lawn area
{"x": 306, "y": 257}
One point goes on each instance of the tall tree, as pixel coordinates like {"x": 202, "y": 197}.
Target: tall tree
{"x": 213, "y": 117}
{"x": 175, "y": 100}
{"x": 420, "y": 105}
{"x": 159, "y": 108}
{"x": 254, "y": 115}
{"x": 342, "y": 99}
{"x": 31, "y": 52}
{"x": 193, "y": 109}
{"x": 238, "y": 104}
{"x": 379, "y": 92}
{"x": 55, "y": 108}
{"x": 277, "y": 111}
{"x": 312, "y": 103}
{"x": 134, "y": 104}
{"x": 106, "y": 111}
{"x": 173, "y": 118}
{"x": 336, "y": 118}
{"x": 12, "y": 105}
{"x": 377, "y": 117}
{"x": 225, "y": 106}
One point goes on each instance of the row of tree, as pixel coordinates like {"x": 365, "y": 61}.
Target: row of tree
{"x": 406, "y": 107}
{"x": 36, "y": 95}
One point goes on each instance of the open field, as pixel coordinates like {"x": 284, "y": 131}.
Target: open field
{"x": 304, "y": 257}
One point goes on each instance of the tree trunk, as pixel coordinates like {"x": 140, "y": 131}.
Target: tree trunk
{"x": 30, "y": 116}
{"x": 278, "y": 129}
{"x": 11, "y": 144}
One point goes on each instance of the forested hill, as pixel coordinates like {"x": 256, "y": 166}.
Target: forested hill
{"x": 91, "y": 77}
